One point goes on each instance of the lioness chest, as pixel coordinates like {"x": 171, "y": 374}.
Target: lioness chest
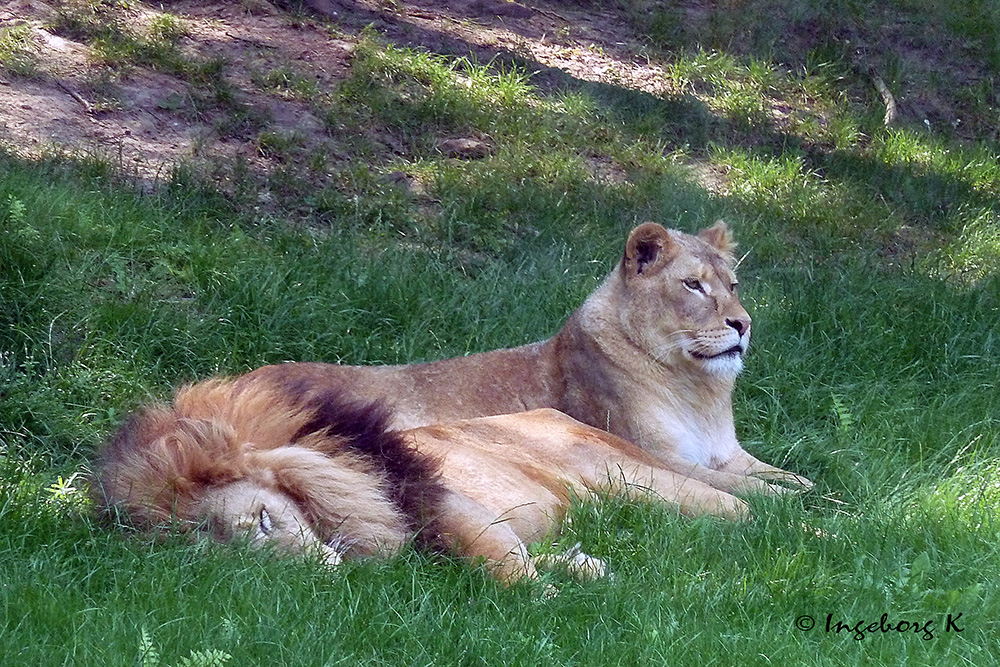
{"x": 696, "y": 437}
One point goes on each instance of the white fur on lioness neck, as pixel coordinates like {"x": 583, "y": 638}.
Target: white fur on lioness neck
{"x": 674, "y": 402}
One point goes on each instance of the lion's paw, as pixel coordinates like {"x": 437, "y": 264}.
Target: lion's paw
{"x": 580, "y": 566}
{"x": 584, "y": 567}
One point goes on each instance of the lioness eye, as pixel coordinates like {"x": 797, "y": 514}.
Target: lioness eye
{"x": 265, "y": 522}
{"x": 694, "y": 285}
{"x": 734, "y": 287}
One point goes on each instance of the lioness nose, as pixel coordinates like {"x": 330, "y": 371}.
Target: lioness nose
{"x": 739, "y": 323}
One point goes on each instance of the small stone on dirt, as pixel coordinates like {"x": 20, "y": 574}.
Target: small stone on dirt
{"x": 465, "y": 148}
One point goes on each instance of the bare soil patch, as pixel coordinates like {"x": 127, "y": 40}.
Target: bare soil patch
{"x": 148, "y": 120}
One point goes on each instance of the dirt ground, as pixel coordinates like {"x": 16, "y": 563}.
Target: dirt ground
{"x": 141, "y": 117}
{"x": 147, "y": 120}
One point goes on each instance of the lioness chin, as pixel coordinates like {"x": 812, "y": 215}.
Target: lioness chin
{"x": 651, "y": 356}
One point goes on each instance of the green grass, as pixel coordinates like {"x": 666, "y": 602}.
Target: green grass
{"x": 16, "y": 55}
{"x": 871, "y": 269}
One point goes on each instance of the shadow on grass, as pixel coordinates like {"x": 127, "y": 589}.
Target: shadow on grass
{"x": 920, "y": 195}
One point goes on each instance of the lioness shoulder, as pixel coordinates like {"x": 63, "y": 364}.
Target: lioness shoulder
{"x": 651, "y": 355}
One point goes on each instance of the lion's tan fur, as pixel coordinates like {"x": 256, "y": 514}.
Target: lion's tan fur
{"x": 636, "y": 359}
{"x": 227, "y": 460}
{"x": 632, "y": 394}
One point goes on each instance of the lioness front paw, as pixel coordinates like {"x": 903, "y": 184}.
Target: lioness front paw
{"x": 786, "y": 481}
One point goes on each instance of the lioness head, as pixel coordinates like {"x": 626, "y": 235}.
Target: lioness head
{"x": 680, "y": 301}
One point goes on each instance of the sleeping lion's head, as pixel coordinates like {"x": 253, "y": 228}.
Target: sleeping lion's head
{"x": 245, "y": 509}
{"x": 680, "y": 299}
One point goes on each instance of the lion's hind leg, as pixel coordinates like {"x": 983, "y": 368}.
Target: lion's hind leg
{"x": 476, "y": 532}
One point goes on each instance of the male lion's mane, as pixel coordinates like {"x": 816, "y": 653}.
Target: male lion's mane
{"x": 334, "y": 457}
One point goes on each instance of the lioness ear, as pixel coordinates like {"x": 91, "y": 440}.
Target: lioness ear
{"x": 649, "y": 247}
{"x": 719, "y": 237}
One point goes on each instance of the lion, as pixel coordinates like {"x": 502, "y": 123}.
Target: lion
{"x": 651, "y": 356}
{"x": 320, "y": 473}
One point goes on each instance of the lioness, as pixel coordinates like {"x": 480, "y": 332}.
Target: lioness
{"x": 650, "y": 356}
{"x": 319, "y": 473}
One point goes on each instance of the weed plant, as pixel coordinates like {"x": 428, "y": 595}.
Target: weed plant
{"x": 869, "y": 260}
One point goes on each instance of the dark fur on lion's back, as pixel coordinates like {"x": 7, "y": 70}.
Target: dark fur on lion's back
{"x": 154, "y": 468}
{"x": 414, "y": 479}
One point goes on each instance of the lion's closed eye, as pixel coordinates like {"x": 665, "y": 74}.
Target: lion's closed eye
{"x": 265, "y": 524}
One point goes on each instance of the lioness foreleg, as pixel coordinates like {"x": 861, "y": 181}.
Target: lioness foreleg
{"x": 746, "y": 465}
{"x": 693, "y": 496}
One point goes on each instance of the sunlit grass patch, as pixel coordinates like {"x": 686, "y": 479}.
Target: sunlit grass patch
{"x": 17, "y": 55}
{"x": 969, "y": 497}
{"x": 552, "y": 155}
{"x": 415, "y": 91}
{"x": 115, "y": 36}
{"x": 287, "y": 80}
{"x": 975, "y": 166}
{"x": 763, "y": 102}
{"x": 974, "y": 254}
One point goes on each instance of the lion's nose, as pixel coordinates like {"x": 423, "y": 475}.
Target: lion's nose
{"x": 741, "y": 324}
